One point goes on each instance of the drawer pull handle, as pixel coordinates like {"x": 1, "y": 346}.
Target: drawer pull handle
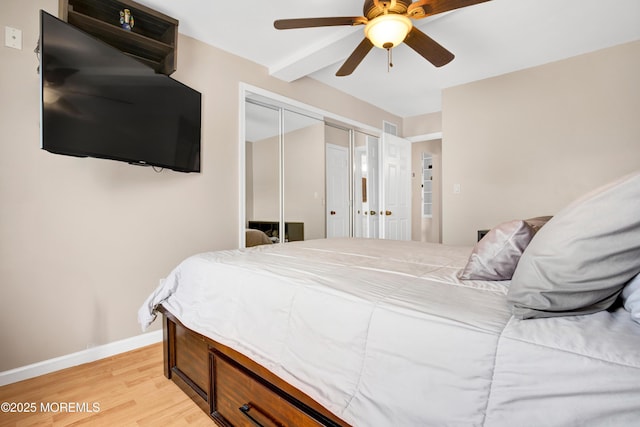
{"x": 245, "y": 411}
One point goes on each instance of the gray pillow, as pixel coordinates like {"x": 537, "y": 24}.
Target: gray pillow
{"x": 631, "y": 298}
{"x": 496, "y": 255}
{"x": 581, "y": 259}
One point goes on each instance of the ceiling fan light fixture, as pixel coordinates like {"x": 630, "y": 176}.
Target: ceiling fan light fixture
{"x": 388, "y": 31}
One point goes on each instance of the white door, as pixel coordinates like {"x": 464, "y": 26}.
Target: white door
{"x": 337, "y": 205}
{"x": 395, "y": 211}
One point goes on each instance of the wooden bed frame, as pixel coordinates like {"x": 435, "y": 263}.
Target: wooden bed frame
{"x": 233, "y": 389}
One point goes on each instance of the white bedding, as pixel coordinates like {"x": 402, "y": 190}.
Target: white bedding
{"x": 382, "y": 333}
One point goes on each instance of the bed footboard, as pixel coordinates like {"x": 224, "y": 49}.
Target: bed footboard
{"x": 186, "y": 360}
{"x": 231, "y": 388}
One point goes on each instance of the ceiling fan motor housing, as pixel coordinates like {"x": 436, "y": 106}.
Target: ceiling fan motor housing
{"x": 371, "y": 11}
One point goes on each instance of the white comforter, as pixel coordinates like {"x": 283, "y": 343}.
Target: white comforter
{"x": 382, "y": 333}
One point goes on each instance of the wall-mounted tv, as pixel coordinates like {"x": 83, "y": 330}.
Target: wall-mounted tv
{"x": 98, "y": 102}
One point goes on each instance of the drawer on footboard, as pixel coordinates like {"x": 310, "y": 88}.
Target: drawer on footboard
{"x": 242, "y": 398}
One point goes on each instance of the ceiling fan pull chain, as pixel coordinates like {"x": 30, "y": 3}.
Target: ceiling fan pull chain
{"x": 389, "y": 60}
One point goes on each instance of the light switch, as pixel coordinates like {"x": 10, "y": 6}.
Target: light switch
{"x": 13, "y": 38}
{"x": 456, "y": 188}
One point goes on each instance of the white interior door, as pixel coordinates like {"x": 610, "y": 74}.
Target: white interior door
{"x": 337, "y": 187}
{"x": 395, "y": 212}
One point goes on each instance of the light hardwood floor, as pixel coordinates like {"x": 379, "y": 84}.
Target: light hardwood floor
{"x": 128, "y": 389}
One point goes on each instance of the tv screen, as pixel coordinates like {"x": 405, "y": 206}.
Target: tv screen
{"x": 98, "y": 102}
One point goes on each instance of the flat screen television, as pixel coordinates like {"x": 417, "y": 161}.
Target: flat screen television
{"x": 98, "y": 102}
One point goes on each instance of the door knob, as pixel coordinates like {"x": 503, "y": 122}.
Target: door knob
{"x": 387, "y": 213}
{"x": 332, "y": 212}
{"x": 372, "y": 212}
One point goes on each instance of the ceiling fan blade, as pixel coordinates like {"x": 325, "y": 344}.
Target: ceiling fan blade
{"x": 430, "y": 49}
{"x": 424, "y": 8}
{"x": 356, "y": 58}
{"x": 288, "y": 24}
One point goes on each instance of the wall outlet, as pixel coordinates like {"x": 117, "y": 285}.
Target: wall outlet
{"x": 13, "y": 38}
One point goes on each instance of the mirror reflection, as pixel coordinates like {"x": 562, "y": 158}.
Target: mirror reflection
{"x": 303, "y": 176}
{"x": 284, "y": 180}
{"x": 262, "y": 173}
{"x": 306, "y": 178}
{"x": 366, "y": 167}
{"x": 338, "y": 212}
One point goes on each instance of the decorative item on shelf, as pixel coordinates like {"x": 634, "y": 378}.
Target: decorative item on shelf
{"x": 126, "y": 19}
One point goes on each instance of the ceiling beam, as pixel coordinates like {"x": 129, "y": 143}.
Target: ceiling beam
{"x": 325, "y": 52}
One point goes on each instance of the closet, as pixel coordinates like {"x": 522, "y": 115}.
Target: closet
{"x": 309, "y": 176}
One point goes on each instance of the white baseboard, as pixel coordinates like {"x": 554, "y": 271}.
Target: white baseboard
{"x": 78, "y": 358}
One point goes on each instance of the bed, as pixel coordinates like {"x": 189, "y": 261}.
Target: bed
{"x": 532, "y": 326}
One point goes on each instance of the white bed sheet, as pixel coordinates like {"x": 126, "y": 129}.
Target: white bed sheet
{"x": 383, "y": 333}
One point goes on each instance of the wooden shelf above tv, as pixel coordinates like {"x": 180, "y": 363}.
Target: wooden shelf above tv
{"x": 153, "y": 39}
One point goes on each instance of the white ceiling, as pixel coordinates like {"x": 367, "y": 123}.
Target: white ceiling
{"x": 488, "y": 39}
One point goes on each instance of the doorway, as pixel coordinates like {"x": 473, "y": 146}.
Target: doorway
{"x": 426, "y": 190}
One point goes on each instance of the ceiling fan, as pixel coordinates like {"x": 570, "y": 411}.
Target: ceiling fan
{"x": 387, "y": 24}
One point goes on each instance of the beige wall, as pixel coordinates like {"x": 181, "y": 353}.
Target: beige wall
{"x": 263, "y": 176}
{"x": 528, "y": 143}
{"x": 422, "y": 124}
{"x": 84, "y": 241}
